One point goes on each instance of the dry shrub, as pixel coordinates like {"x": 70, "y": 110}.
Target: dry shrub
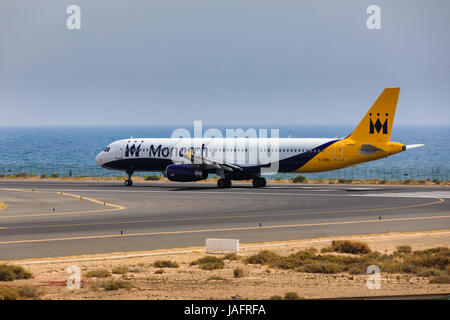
{"x": 263, "y": 257}
{"x": 8, "y": 293}
{"x": 238, "y": 272}
{"x": 232, "y": 256}
{"x": 403, "y": 249}
{"x": 327, "y": 268}
{"x": 209, "y": 263}
{"x": 292, "y": 296}
{"x": 216, "y": 278}
{"x": 110, "y": 285}
{"x": 9, "y": 272}
{"x": 433, "y": 263}
{"x": 29, "y": 292}
{"x": 441, "y": 277}
{"x": 347, "y": 246}
{"x": 120, "y": 270}
{"x": 26, "y": 292}
{"x": 100, "y": 273}
{"x": 165, "y": 264}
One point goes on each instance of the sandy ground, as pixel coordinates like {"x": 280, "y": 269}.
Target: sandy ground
{"x": 259, "y": 282}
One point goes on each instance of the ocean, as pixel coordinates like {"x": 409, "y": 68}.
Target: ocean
{"x": 57, "y": 150}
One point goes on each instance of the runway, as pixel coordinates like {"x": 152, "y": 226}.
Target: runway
{"x": 59, "y": 218}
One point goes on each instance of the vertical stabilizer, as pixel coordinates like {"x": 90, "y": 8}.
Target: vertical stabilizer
{"x": 377, "y": 124}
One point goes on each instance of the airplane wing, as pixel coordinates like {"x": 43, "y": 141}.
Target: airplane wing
{"x": 195, "y": 160}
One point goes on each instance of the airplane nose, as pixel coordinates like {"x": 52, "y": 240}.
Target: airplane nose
{"x": 98, "y": 159}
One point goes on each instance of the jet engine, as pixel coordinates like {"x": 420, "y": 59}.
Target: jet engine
{"x": 184, "y": 173}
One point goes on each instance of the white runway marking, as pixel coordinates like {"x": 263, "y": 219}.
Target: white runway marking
{"x": 360, "y": 189}
{"x": 423, "y": 194}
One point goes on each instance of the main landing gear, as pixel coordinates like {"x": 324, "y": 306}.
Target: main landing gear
{"x": 224, "y": 183}
{"x": 259, "y": 182}
{"x": 129, "y": 182}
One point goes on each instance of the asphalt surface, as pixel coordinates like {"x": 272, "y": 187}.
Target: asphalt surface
{"x": 159, "y": 215}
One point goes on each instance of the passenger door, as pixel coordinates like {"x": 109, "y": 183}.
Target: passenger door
{"x": 339, "y": 151}
{"x": 120, "y": 152}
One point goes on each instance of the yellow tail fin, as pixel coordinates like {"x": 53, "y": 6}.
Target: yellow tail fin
{"x": 376, "y": 125}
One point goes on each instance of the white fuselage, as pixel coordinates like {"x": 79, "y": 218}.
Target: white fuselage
{"x": 154, "y": 153}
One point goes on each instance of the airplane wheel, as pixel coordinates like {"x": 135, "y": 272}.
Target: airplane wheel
{"x": 221, "y": 183}
{"x": 227, "y": 183}
{"x": 263, "y": 182}
{"x": 128, "y": 182}
{"x": 259, "y": 182}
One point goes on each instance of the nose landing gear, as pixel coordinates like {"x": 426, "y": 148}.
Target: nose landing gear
{"x": 129, "y": 182}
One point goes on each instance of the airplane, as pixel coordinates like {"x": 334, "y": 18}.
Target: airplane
{"x": 188, "y": 160}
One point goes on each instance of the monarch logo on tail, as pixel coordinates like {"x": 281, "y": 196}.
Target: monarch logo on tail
{"x": 378, "y": 126}
{"x": 375, "y": 127}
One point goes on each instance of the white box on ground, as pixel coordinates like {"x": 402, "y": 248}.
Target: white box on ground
{"x": 222, "y": 245}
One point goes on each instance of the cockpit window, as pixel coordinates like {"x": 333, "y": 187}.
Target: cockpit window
{"x": 107, "y": 149}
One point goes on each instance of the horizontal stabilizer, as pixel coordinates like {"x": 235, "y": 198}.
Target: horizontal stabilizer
{"x": 411, "y": 146}
{"x": 368, "y": 149}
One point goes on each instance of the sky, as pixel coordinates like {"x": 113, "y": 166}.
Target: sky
{"x": 225, "y": 62}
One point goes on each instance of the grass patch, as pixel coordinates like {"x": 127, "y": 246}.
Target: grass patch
{"x": 299, "y": 179}
{"x": 276, "y": 297}
{"x": 111, "y": 285}
{"x": 165, "y": 264}
{"x": 12, "y": 272}
{"x": 100, "y": 273}
{"x": 209, "y": 263}
{"x": 153, "y": 177}
{"x": 160, "y": 271}
{"x": 54, "y": 175}
{"x": 347, "y": 246}
{"x": 120, "y": 270}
